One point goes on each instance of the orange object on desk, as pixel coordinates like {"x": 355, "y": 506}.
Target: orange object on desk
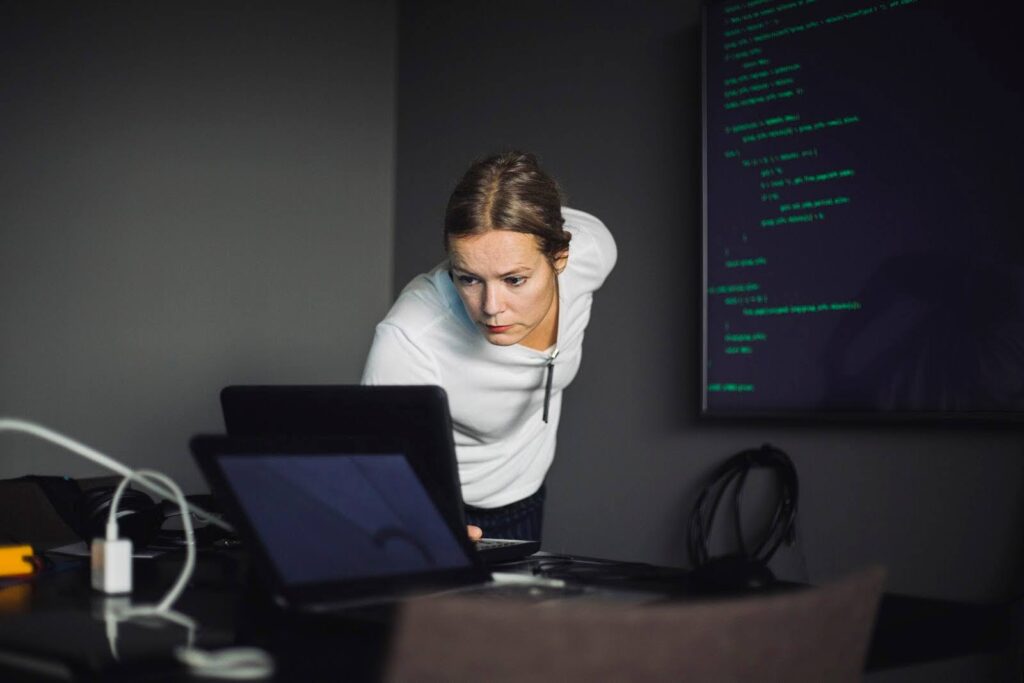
{"x": 16, "y": 560}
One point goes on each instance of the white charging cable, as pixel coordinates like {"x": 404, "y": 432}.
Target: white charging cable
{"x": 236, "y": 663}
{"x": 9, "y": 424}
{"x": 190, "y": 541}
{"x": 230, "y": 663}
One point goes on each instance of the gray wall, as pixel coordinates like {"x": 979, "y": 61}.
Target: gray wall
{"x": 607, "y": 95}
{"x": 191, "y": 195}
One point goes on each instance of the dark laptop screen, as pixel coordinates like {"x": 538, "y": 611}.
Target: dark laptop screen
{"x": 325, "y": 517}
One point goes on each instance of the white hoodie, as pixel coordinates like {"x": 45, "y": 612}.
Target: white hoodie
{"x": 495, "y": 393}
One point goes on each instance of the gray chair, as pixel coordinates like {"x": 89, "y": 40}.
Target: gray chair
{"x": 817, "y": 634}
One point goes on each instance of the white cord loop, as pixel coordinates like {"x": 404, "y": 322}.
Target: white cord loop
{"x": 10, "y": 424}
{"x": 241, "y": 663}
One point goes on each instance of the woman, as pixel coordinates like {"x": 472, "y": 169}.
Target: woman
{"x": 499, "y": 324}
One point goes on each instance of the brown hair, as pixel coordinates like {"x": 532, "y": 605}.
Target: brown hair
{"x": 508, "y": 191}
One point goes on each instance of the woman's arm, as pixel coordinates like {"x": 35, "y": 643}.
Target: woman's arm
{"x": 395, "y": 359}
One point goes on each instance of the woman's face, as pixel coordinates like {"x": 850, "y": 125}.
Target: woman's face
{"x": 508, "y": 286}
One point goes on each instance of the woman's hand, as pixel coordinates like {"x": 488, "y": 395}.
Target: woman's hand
{"x": 475, "y": 533}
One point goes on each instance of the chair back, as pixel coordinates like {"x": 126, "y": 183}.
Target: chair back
{"x": 800, "y": 636}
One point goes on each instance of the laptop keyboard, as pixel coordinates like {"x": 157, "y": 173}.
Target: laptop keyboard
{"x": 491, "y": 543}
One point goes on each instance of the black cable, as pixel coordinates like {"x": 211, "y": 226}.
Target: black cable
{"x": 733, "y": 474}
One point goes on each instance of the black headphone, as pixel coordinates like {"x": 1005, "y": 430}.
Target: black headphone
{"x": 748, "y": 568}
{"x": 138, "y": 516}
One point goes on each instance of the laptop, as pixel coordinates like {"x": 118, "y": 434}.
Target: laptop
{"x": 417, "y": 414}
{"x": 336, "y": 523}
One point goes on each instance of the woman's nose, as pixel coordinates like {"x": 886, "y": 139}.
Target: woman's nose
{"x": 493, "y": 303}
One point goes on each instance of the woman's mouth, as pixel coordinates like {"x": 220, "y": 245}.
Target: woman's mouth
{"x": 497, "y": 329}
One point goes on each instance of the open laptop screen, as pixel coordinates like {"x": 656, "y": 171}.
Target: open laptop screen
{"x": 327, "y": 517}
{"x": 418, "y": 415}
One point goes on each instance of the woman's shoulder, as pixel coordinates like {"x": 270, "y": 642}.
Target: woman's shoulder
{"x": 592, "y": 251}
{"x": 425, "y": 302}
{"x": 420, "y": 325}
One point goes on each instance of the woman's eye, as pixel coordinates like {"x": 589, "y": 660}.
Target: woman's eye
{"x": 465, "y": 280}
{"x": 515, "y": 280}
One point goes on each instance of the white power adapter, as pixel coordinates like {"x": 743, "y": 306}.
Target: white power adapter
{"x": 112, "y": 556}
{"x": 112, "y": 565}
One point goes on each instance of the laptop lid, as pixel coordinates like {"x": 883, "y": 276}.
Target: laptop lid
{"x": 331, "y": 520}
{"x": 417, "y": 414}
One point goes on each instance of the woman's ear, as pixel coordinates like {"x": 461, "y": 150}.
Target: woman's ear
{"x": 561, "y": 260}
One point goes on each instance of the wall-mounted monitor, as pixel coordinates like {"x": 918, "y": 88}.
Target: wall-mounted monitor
{"x": 863, "y": 187}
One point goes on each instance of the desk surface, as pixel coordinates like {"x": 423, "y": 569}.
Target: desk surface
{"x": 54, "y": 624}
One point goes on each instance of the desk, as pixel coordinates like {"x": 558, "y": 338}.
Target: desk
{"x": 55, "y": 623}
